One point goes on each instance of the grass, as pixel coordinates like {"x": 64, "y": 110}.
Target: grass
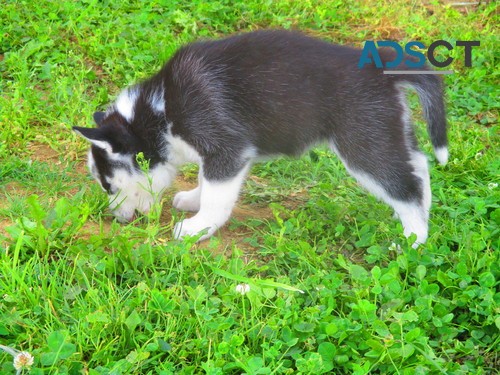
{"x": 334, "y": 286}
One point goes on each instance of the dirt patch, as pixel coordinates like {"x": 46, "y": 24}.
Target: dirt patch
{"x": 4, "y": 223}
{"x": 91, "y": 228}
{"x": 14, "y": 188}
{"x": 237, "y": 236}
{"x": 43, "y": 153}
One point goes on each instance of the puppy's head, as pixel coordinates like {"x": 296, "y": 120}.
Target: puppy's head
{"x": 112, "y": 161}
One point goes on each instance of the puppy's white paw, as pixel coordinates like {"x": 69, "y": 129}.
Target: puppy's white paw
{"x": 123, "y": 213}
{"x": 194, "y": 226}
{"x": 187, "y": 200}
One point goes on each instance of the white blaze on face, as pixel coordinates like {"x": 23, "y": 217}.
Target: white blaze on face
{"x": 130, "y": 189}
{"x": 138, "y": 191}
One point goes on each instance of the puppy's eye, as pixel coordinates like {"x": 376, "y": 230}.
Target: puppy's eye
{"x": 107, "y": 186}
{"x": 111, "y": 190}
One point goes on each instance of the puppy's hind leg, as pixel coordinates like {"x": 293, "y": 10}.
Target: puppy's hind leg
{"x": 407, "y": 196}
{"x": 402, "y": 182}
{"x": 415, "y": 217}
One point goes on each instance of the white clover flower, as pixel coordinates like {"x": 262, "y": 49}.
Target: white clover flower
{"x": 492, "y": 185}
{"x": 22, "y": 360}
{"x": 395, "y": 247}
{"x": 242, "y": 289}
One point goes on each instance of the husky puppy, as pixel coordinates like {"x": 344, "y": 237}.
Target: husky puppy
{"x": 223, "y": 104}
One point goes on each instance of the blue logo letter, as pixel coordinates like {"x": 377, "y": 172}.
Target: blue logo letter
{"x": 369, "y": 49}
{"x": 399, "y": 53}
{"x": 419, "y": 55}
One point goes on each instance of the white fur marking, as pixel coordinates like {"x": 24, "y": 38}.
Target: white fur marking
{"x": 180, "y": 152}
{"x": 115, "y": 156}
{"x": 421, "y": 170}
{"x": 413, "y": 216}
{"x": 157, "y": 101}
{"x": 103, "y": 145}
{"x": 125, "y": 103}
{"x": 442, "y": 155}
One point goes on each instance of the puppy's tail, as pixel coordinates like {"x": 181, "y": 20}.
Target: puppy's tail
{"x": 429, "y": 88}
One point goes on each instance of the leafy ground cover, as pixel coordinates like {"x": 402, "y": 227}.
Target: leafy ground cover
{"x": 333, "y": 286}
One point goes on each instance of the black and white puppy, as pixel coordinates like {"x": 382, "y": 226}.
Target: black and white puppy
{"x": 223, "y": 104}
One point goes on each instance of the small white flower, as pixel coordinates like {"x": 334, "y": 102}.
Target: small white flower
{"x": 23, "y": 360}
{"x": 395, "y": 247}
{"x": 242, "y": 289}
{"x": 492, "y": 185}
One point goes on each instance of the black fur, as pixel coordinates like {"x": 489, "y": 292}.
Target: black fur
{"x": 282, "y": 92}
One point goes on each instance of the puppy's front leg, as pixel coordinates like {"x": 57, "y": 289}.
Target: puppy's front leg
{"x": 189, "y": 200}
{"x": 217, "y": 199}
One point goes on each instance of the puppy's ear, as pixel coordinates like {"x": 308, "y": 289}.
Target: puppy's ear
{"x": 99, "y": 117}
{"x": 96, "y": 136}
